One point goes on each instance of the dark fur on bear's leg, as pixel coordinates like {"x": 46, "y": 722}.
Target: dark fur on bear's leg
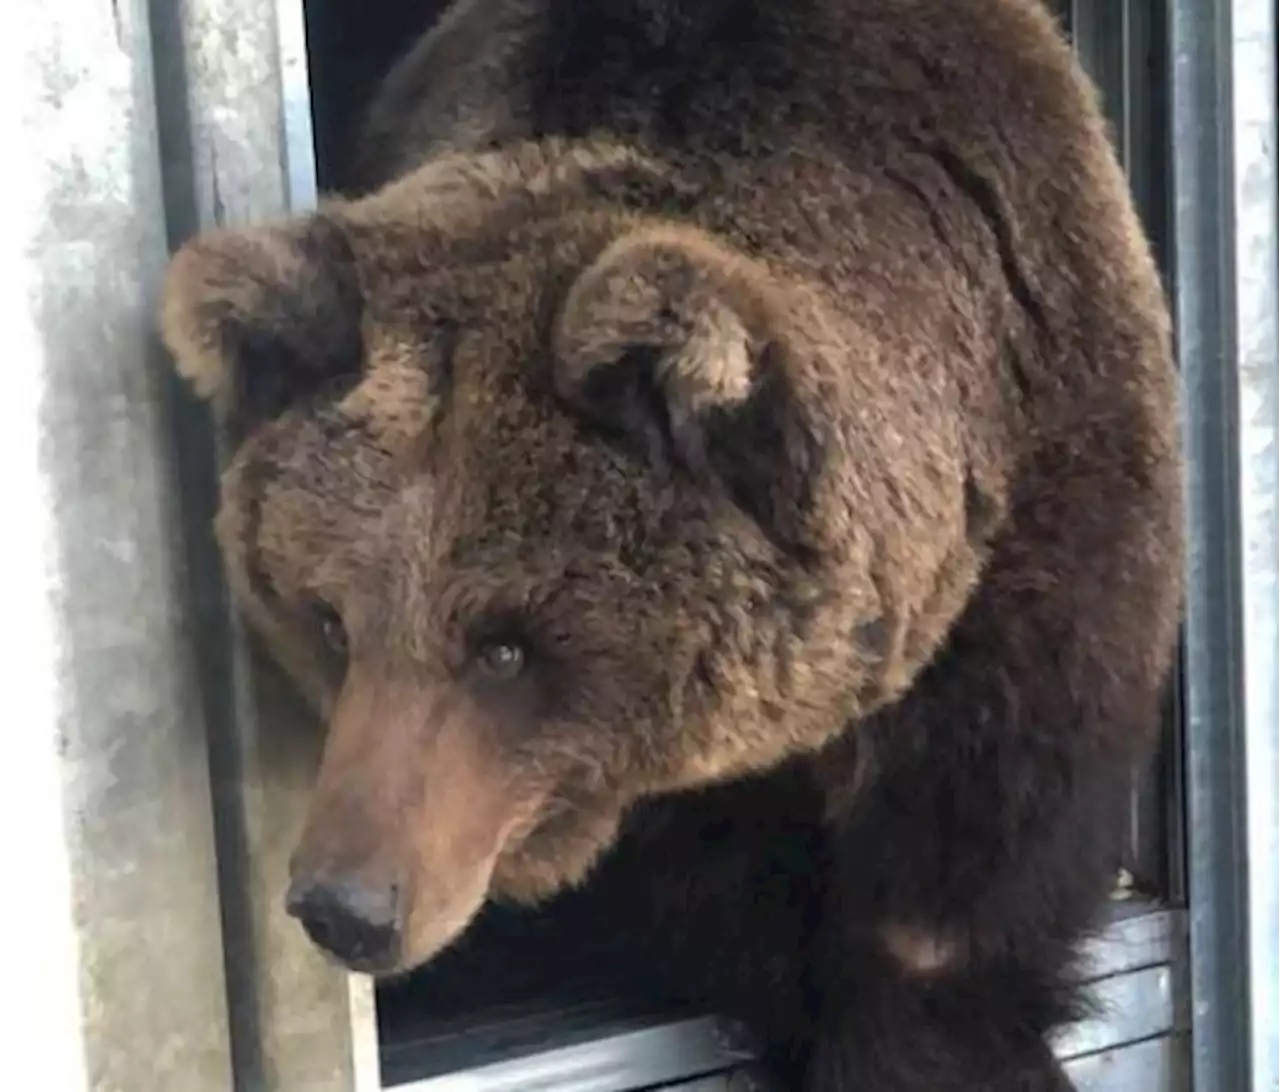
{"x": 960, "y": 1036}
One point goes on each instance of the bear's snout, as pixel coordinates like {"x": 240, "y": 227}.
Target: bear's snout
{"x": 415, "y": 801}
{"x": 357, "y": 921}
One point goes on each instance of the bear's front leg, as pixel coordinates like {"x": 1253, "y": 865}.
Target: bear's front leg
{"x": 965, "y": 1036}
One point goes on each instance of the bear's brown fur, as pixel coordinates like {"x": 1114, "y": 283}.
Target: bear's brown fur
{"x": 754, "y": 412}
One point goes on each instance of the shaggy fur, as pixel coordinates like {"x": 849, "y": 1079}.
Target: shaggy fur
{"x": 789, "y": 383}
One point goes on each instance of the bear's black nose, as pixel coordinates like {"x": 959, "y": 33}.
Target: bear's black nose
{"x": 357, "y": 923}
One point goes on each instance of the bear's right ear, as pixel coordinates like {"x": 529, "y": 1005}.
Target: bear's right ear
{"x": 690, "y": 351}
{"x": 663, "y": 330}
{"x": 259, "y": 318}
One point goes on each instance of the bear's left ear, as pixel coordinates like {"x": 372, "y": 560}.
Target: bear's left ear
{"x": 260, "y": 318}
{"x": 666, "y": 330}
{"x": 677, "y": 344}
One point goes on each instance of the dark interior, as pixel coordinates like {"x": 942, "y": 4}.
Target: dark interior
{"x": 517, "y": 981}
{"x": 520, "y": 980}
{"x": 350, "y": 47}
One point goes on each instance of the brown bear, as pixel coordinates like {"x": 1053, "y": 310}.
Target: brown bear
{"x": 721, "y": 453}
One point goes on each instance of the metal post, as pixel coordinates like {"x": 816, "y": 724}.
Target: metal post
{"x": 113, "y": 959}
{"x": 1224, "y": 159}
{"x": 1253, "y": 85}
{"x": 236, "y": 142}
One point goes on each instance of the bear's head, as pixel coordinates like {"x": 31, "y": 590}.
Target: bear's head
{"x": 527, "y": 493}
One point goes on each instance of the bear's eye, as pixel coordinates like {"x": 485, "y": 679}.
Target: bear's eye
{"x": 333, "y": 631}
{"x": 501, "y": 660}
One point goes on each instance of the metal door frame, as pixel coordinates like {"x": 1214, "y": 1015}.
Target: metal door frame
{"x": 1223, "y": 87}
{"x": 235, "y": 137}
